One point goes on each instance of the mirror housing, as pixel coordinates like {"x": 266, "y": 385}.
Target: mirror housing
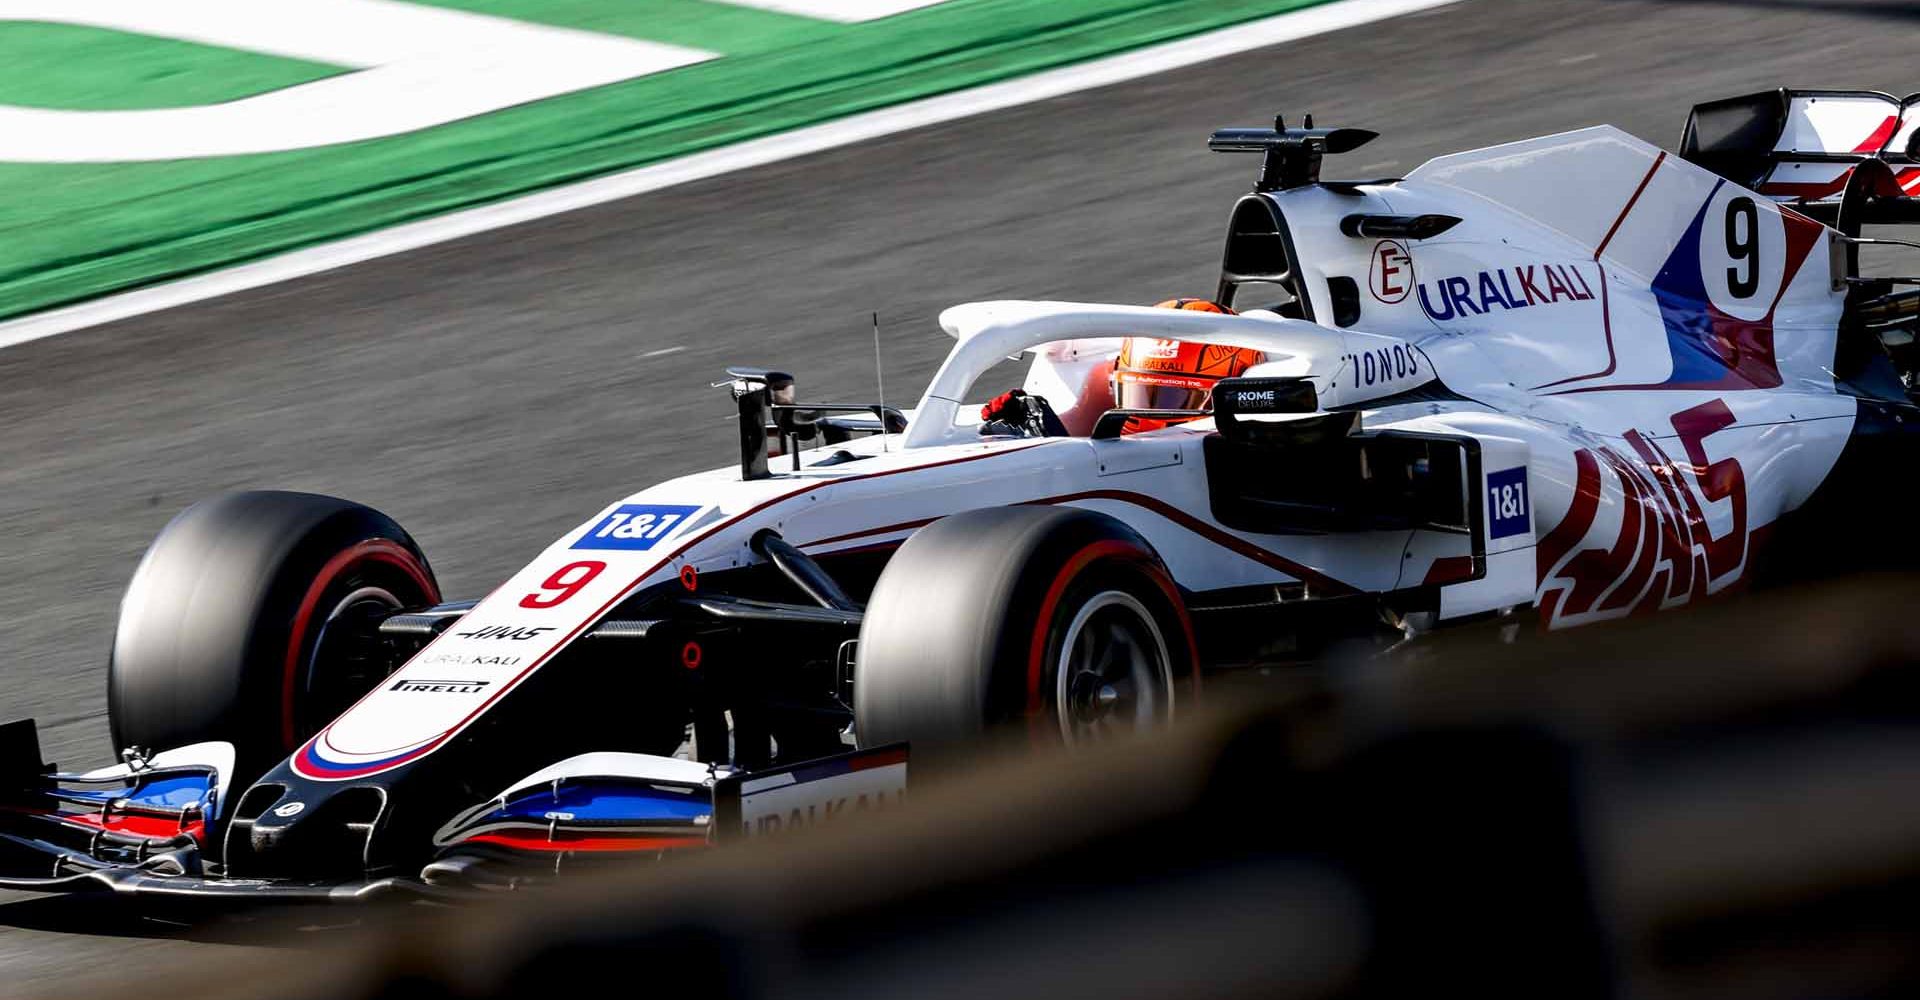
{"x": 756, "y": 391}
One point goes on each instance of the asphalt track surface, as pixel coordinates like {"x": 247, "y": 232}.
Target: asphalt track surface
{"x": 492, "y": 392}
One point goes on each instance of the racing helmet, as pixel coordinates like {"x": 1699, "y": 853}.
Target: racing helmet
{"x": 1157, "y": 374}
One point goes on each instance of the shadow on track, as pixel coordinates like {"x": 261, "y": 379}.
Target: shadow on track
{"x": 106, "y": 915}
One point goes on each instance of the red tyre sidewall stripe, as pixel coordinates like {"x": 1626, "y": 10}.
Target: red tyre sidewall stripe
{"x": 379, "y": 550}
{"x": 1042, "y": 629}
{"x": 1179, "y": 605}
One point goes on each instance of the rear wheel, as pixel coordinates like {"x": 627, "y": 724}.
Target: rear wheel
{"x": 252, "y": 619}
{"x": 1060, "y": 620}
{"x": 1114, "y": 670}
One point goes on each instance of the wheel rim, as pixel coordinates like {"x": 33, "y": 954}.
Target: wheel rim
{"x": 343, "y": 645}
{"x": 378, "y": 558}
{"x": 1116, "y": 674}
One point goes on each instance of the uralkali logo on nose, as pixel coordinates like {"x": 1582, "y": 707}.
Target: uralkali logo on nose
{"x": 1505, "y": 289}
{"x": 1391, "y": 276}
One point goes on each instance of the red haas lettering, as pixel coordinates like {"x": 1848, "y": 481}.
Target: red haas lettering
{"x": 1664, "y": 553}
{"x": 1507, "y": 289}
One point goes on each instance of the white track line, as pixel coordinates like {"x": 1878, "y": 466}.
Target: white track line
{"x": 1274, "y": 30}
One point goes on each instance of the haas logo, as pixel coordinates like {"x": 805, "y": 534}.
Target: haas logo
{"x": 1664, "y": 553}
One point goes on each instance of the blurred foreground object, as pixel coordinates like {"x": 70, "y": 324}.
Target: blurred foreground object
{"x": 1716, "y": 803}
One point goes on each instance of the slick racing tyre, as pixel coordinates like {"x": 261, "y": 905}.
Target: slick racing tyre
{"x": 1059, "y": 619}
{"x": 252, "y": 619}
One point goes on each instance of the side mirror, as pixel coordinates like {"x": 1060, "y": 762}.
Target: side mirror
{"x": 756, "y": 391}
{"x": 748, "y": 378}
{"x": 771, "y": 423}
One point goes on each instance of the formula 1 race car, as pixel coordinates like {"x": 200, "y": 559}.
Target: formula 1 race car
{"x": 1558, "y": 381}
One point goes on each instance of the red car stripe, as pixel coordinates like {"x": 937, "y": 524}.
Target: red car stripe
{"x": 581, "y": 842}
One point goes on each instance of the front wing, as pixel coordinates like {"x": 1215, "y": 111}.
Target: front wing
{"x": 152, "y": 828}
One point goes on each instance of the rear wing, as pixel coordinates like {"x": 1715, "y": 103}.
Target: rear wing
{"x": 1817, "y": 150}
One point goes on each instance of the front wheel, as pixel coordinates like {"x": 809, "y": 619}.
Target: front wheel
{"x": 1058, "y": 619}
{"x": 252, "y": 620}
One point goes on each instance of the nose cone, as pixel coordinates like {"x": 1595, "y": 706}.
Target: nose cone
{"x": 304, "y": 830}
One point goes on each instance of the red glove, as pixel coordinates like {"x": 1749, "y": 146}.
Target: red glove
{"x": 1000, "y": 404}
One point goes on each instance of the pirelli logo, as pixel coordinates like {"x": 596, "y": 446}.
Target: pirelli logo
{"x": 439, "y": 687}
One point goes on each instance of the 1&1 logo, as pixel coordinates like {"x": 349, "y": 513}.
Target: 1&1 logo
{"x": 1507, "y": 512}
{"x": 634, "y": 527}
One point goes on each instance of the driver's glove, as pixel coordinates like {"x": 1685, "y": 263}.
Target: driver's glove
{"x": 1016, "y": 412}
{"x": 1010, "y": 406}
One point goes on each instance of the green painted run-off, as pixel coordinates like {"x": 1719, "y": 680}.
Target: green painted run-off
{"x": 74, "y": 231}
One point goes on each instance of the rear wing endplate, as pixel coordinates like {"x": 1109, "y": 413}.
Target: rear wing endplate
{"x": 1808, "y": 148}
